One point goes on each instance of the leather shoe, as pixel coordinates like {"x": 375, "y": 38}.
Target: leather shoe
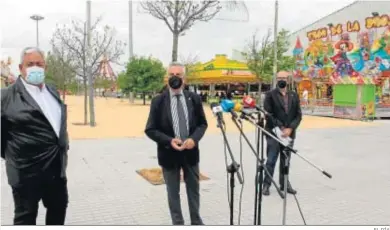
{"x": 266, "y": 190}
{"x": 289, "y": 190}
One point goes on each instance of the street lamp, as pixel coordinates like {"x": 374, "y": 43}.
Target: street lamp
{"x": 37, "y": 18}
{"x": 130, "y": 29}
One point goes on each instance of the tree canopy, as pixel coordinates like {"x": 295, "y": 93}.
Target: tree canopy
{"x": 142, "y": 75}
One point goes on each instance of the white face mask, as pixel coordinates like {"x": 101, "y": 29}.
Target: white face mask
{"x": 35, "y": 75}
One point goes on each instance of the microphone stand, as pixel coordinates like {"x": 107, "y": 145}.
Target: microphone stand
{"x": 234, "y": 119}
{"x": 259, "y": 178}
{"x": 231, "y": 169}
{"x": 287, "y": 150}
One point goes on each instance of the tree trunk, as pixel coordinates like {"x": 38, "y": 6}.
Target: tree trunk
{"x": 144, "y": 96}
{"x": 175, "y": 46}
{"x": 85, "y": 101}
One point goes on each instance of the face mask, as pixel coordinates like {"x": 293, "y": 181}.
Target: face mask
{"x": 175, "y": 82}
{"x": 35, "y": 75}
{"x": 282, "y": 84}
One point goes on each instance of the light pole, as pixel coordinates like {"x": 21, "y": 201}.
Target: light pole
{"x": 131, "y": 52}
{"x": 37, "y": 18}
{"x": 275, "y": 69}
{"x": 89, "y": 70}
{"x": 130, "y": 29}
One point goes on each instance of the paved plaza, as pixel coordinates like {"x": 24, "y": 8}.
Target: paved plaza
{"x": 105, "y": 189}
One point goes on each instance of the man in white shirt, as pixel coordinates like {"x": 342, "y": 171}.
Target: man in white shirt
{"x": 34, "y": 143}
{"x": 305, "y": 97}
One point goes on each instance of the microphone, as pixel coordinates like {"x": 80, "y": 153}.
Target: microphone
{"x": 249, "y": 102}
{"x": 228, "y": 106}
{"x": 217, "y": 111}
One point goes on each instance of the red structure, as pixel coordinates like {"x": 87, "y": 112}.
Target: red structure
{"x": 107, "y": 73}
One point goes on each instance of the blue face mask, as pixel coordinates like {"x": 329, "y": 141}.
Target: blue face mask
{"x": 35, "y": 75}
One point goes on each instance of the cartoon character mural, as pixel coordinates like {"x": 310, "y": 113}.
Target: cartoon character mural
{"x": 317, "y": 61}
{"x": 381, "y": 50}
{"x": 344, "y": 61}
{"x": 343, "y": 64}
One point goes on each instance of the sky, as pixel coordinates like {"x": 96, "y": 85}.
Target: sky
{"x": 151, "y": 36}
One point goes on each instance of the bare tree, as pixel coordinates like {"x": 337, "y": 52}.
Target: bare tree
{"x": 180, "y": 16}
{"x": 189, "y": 62}
{"x": 258, "y": 55}
{"x": 59, "y": 70}
{"x": 73, "y": 40}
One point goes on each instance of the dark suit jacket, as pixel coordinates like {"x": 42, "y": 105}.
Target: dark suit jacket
{"x": 274, "y": 104}
{"x": 159, "y": 128}
{"x": 29, "y": 144}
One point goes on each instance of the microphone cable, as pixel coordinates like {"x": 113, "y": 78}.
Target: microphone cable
{"x": 243, "y": 178}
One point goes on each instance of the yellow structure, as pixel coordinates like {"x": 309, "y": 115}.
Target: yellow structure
{"x": 220, "y": 70}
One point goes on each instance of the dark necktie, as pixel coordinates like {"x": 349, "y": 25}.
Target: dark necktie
{"x": 182, "y": 119}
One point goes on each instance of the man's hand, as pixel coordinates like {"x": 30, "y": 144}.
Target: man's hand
{"x": 189, "y": 144}
{"x": 287, "y": 132}
{"x": 177, "y": 144}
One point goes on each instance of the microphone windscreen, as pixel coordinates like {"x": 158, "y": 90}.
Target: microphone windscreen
{"x": 237, "y": 107}
{"x": 213, "y": 104}
{"x": 227, "y": 105}
{"x": 249, "y": 102}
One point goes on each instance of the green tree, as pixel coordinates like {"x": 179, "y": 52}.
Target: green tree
{"x": 59, "y": 72}
{"x": 257, "y": 55}
{"x": 143, "y": 75}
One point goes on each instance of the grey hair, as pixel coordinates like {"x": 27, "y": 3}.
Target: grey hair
{"x": 178, "y": 64}
{"x": 29, "y": 50}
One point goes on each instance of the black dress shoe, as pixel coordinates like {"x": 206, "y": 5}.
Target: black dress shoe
{"x": 289, "y": 190}
{"x": 266, "y": 190}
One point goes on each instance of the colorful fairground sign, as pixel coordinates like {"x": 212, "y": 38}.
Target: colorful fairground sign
{"x": 333, "y": 54}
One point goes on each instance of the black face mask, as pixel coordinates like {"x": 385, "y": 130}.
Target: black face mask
{"x": 175, "y": 82}
{"x": 282, "y": 84}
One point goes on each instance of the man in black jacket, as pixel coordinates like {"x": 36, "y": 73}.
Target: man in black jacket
{"x": 285, "y": 112}
{"x": 34, "y": 143}
{"x": 177, "y": 123}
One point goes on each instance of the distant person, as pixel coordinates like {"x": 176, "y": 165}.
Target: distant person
{"x": 177, "y": 123}
{"x": 34, "y": 143}
{"x": 305, "y": 97}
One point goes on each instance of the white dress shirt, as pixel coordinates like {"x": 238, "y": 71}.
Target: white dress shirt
{"x": 48, "y": 104}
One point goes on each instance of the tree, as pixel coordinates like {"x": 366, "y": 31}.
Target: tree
{"x": 143, "y": 75}
{"x": 258, "y": 55}
{"x": 180, "y": 16}
{"x": 59, "y": 71}
{"x": 189, "y": 62}
{"x": 73, "y": 40}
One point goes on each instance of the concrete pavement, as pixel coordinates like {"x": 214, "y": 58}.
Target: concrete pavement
{"x": 105, "y": 189}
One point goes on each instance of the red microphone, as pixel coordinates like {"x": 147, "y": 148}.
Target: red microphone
{"x": 249, "y": 102}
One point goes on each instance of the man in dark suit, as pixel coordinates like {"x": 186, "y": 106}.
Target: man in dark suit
{"x": 177, "y": 123}
{"x": 34, "y": 143}
{"x": 285, "y": 112}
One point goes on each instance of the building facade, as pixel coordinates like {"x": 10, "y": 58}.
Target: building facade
{"x": 349, "y": 46}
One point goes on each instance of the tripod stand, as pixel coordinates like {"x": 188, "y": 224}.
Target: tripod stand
{"x": 287, "y": 150}
{"x": 259, "y": 178}
{"x": 231, "y": 169}
{"x": 234, "y": 119}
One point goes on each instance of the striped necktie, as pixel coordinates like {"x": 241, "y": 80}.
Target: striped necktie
{"x": 182, "y": 119}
